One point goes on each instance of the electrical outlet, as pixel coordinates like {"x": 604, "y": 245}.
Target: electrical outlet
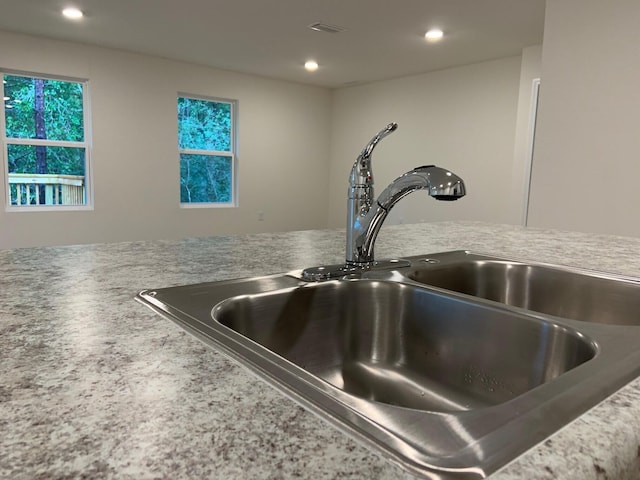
{"x": 260, "y": 216}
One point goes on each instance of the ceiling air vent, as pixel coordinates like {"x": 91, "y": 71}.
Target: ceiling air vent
{"x": 326, "y": 28}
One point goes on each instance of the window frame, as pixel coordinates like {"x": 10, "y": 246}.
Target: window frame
{"x": 85, "y": 144}
{"x": 232, "y": 153}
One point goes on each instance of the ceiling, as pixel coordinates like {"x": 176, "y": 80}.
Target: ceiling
{"x": 382, "y": 39}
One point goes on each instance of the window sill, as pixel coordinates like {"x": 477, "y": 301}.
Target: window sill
{"x": 208, "y": 205}
{"x": 47, "y": 208}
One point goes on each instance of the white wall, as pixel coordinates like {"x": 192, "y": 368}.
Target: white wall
{"x": 284, "y": 137}
{"x": 296, "y": 148}
{"x": 463, "y": 119}
{"x": 587, "y": 151}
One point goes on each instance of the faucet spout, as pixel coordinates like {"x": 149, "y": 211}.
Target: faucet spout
{"x": 439, "y": 183}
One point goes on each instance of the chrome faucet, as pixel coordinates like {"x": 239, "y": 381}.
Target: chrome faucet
{"x": 365, "y": 215}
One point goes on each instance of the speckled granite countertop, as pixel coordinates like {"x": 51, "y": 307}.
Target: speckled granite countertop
{"x": 95, "y": 385}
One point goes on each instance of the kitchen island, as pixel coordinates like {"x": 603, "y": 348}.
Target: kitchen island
{"x": 95, "y": 385}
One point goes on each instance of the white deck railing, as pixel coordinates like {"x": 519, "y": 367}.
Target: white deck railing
{"x": 58, "y": 189}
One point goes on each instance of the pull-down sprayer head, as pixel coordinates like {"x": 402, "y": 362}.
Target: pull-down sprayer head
{"x": 439, "y": 183}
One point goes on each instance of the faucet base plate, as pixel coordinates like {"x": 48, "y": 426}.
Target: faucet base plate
{"x": 331, "y": 272}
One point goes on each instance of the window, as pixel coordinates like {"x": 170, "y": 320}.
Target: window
{"x": 206, "y": 145}
{"x": 44, "y": 141}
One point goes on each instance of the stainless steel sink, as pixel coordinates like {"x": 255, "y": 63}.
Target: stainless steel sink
{"x": 401, "y": 345}
{"x": 448, "y": 385}
{"x": 564, "y": 292}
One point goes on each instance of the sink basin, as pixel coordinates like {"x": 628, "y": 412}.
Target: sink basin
{"x": 441, "y": 366}
{"x": 564, "y": 292}
{"x": 401, "y": 345}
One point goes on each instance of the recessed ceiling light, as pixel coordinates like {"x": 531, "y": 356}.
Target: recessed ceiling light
{"x": 72, "y": 13}
{"x": 311, "y": 65}
{"x": 433, "y": 35}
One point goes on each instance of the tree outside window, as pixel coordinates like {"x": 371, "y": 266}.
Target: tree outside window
{"x": 206, "y": 147}
{"x": 44, "y": 141}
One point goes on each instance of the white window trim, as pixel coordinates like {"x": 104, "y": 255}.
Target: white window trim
{"x": 215, "y": 153}
{"x": 86, "y": 144}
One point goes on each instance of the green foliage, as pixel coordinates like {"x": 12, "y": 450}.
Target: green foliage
{"x": 62, "y": 109}
{"x": 205, "y": 179}
{"x": 205, "y": 125}
{"x": 60, "y": 160}
{"x": 62, "y": 117}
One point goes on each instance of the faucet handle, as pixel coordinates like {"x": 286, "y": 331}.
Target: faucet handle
{"x": 368, "y": 149}
{"x": 361, "y": 174}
